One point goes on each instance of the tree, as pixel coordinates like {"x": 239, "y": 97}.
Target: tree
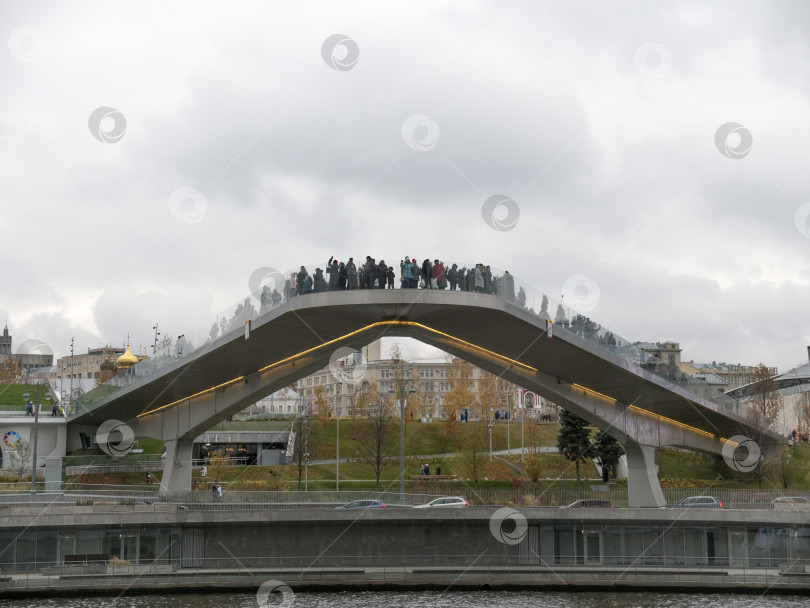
{"x": 461, "y": 396}
{"x": 534, "y": 467}
{"x": 608, "y": 451}
{"x": 322, "y": 409}
{"x": 402, "y": 384}
{"x": 300, "y": 436}
{"x": 574, "y": 440}
{"x": 218, "y": 461}
{"x": 764, "y": 406}
{"x": 474, "y": 450}
{"x": 11, "y": 370}
{"x": 376, "y": 436}
{"x": 108, "y": 370}
{"x": 20, "y": 457}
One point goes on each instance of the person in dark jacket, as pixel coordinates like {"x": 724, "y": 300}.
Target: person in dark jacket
{"x": 452, "y": 276}
{"x": 300, "y": 280}
{"x": 319, "y": 281}
{"x": 391, "y": 277}
{"x": 427, "y": 273}
{"x": 508, "y": 286}
{"x": 343, "y": 277}
{"x": 381, "y": 274}
{"x": 471, "y": 279}
{"x": 462, "y": 279}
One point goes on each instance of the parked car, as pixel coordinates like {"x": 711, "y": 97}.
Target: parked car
{"x": 589, "y": 503}
{"x": 791, "y": 500}
{"x": 365, "y": 503}
{"x": 446, "y": 501}
{"x": 697, "y": 502}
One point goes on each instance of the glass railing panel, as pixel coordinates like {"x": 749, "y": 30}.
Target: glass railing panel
{"x": 274, "y": 288}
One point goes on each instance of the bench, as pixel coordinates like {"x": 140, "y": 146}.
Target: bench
{"x": 86, "y": 558}
{"x": 432, "y": 477}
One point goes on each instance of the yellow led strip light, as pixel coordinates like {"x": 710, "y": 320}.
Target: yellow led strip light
{"x": 431, "y": 330}
{"x": 643, "y": 411}
{"x": 340, "y": 339}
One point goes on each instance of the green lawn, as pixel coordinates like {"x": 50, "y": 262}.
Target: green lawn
{"x": 11, "y": 398}
{"x": 426, "y": 437}
{"x": 677, "y": 468}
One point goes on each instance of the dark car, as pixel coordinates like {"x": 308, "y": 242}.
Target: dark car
{"x": 365, "y": 503}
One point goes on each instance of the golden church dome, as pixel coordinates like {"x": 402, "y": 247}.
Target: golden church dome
{"x": 126, "y": 360}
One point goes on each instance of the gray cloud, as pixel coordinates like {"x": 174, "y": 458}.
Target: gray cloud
{"x": 615, "y": 172}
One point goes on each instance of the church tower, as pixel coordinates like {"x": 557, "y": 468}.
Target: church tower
{"x": 5, "y": 342}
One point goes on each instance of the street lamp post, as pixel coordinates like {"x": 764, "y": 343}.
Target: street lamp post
{"x": 401, "y": 388}
{"x": 36, "y": 388}
{"x": 508, "y": 422}
{"x": 522, "y": 429}
{"x": 306, "y": 471}
{"x": 489, "y": 426}
{"x": 337, "y": 443}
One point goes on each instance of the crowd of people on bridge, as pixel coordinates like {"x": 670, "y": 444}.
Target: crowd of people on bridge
{"x": 371, "y": 274}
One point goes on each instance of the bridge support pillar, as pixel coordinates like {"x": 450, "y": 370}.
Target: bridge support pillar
{"x": 177, "y": 468}
{"x": 643, "y": 489}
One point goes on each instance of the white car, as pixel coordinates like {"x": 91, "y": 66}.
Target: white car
{"x": 446, "y": 501}
{"x": 697, "y": 502}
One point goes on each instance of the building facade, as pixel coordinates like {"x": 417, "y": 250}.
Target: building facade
{"x": 344, "y": 386}
{"x": 34, "y": 354}
{"x": 87, "y": 365}
{"x": 735, "y": 375}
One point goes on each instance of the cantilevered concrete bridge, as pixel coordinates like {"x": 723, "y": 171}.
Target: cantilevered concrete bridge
{"x": 591, "y": 377}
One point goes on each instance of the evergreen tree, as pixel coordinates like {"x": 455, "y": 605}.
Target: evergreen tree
{"x": 574, "y": 439}
{"x": 608, "y": 451}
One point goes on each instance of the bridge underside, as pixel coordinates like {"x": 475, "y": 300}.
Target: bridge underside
{"x": 638, "y": 408}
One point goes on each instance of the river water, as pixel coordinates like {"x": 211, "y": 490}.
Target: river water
{"x": 427, "y": 599}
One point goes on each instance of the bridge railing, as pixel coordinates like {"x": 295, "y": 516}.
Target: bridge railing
{"x": 274, "y": 288}
{"x": 105, "y": 498}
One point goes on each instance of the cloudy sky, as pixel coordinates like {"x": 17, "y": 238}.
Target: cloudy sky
{"x": 155, "y": 155}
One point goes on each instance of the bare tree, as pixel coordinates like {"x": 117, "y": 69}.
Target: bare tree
{"x": 475, "y": 450}
{"x": 376, "y": 436}
{"x": 764, "y": 407}
{"x": 20, "y": 458}
{"x": 300, "y": 430}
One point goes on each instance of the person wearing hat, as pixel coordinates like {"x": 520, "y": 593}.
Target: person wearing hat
{"x": 319, "y": 281}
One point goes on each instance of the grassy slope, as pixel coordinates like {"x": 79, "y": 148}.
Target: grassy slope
{"x": 11, "y": 398}
{"x": 676, "y": 467}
